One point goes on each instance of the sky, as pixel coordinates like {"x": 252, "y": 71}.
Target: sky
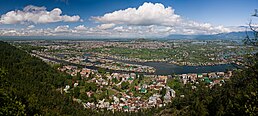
{"x": 123, "y": 18}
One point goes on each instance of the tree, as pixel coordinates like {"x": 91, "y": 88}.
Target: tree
{"x": 90, "y": 87}
{"x": 125, "y": 85}
{"x": 254, "y": 28}
{"x": 114, "y": 80}
{"x": 83, "y": 97}
{"x": 76, "y": 92}
{"x": 10, "y": 105}
{"x": 175, "y": 83}
{"x": 91, "y": 76}
{"x": 141, "y": 77}
{"x": 3, "y": 72}
{"x": 163, "y": 92}
{"x": 101, "y": 71}
{"x": 69, "y": 77}
{"x": 78, "y": 76}
{"x": 198, "y": 108}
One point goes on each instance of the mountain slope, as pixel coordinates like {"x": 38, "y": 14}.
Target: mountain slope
{"x": 28, "y": 86}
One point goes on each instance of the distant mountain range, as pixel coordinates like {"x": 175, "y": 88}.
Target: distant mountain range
{"x": 221, "y": 36}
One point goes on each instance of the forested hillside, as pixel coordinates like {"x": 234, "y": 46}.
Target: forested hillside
{"x": 28, "y": 86}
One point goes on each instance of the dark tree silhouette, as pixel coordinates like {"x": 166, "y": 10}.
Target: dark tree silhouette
{"x": 254, "y": 28}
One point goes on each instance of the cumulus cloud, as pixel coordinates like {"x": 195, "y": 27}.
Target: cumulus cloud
{"x": 106, "y": 26}
{"x": 119, "y": 28}
{"x": 35, "y": 14}
{"x": 146, "y": 31}
{"x": 63, "y": 28}
{"x": 80, "y": 28}
{"x": 157, "y": 14}
{"x": 147, "y": 14}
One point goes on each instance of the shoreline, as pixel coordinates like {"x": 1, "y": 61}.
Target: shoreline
{"x": 162, "y": 61}
{"x": 176, "y": 69}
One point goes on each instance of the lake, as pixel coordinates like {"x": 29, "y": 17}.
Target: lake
{"x": 163, "y": 68}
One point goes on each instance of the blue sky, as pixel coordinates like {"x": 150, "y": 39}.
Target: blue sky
{"x": 190, "y": 16}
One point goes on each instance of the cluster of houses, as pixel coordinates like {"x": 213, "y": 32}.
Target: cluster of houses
{"x": 127, "y": 101}
{"x": 127, "y": 67}
{"x": 130, "y": 103}
{"x": 187, "y": 63}
{"x": 146, "y": 44}
{"x": 212, "y": 78}
{"x": 116, "y": 65}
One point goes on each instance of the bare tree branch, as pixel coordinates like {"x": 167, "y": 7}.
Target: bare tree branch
{"x": 254, "y": 40}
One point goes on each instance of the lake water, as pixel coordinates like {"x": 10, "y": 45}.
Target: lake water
{"x": 163, "y": 68}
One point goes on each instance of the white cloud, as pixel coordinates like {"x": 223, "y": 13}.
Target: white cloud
{"x": 106, "y": 26}
{"x": 119, "y": 28}
{"x": 147, "y": 14}
{"x": 31, "y": 8}
{"x": 34, "y": 14}
{"x": 62, "y": 29}
{"x": 148, "y": 20}
{"x": 143, "y": 31}
{"x": 157, "y": 14}
{"x": 80, "y": 28}
{"x": 118, "y": 31}
{"x": 30, "y": 27}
